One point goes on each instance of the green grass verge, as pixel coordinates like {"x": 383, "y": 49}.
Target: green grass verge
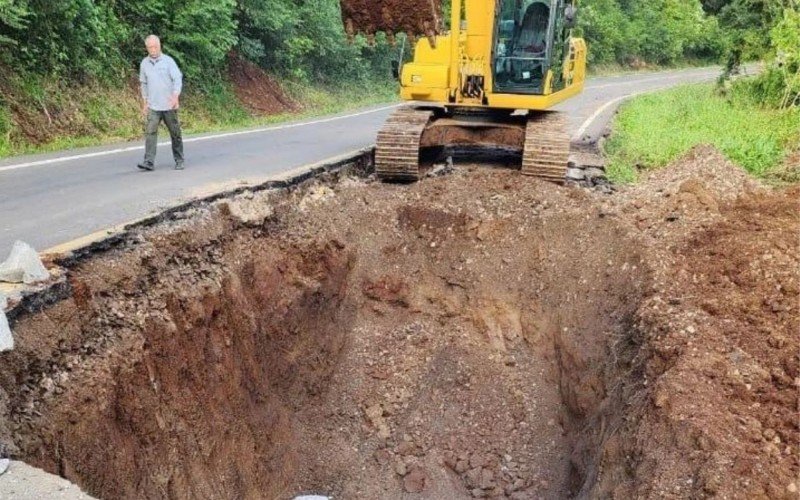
{"x": 652, "y": 130}
{"x": 96, "y": 115}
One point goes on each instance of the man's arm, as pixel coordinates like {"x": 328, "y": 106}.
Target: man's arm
{"x": 143, "y": 86}
{"x": 177, "y": 84}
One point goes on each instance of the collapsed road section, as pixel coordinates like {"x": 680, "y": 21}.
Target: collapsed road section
{"x": 477, "y": 334}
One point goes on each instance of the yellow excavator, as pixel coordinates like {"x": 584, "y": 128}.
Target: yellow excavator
{"x": 488, "y": 80}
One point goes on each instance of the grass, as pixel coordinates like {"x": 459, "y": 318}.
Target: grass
{"x": 96, "y": 115}
{"x": 652, "y": 130}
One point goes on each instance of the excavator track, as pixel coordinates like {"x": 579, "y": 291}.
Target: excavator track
{"x": 398, "y": 144}
{"x": 546, "y": 151}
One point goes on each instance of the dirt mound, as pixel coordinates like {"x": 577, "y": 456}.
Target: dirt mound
{"x": 471, "y": 335}
{"x": 719, "y": 397}
{"x": 725, "y": 365}
{"x": 258, "y": 91}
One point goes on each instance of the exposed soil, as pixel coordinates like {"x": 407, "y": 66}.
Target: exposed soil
{"x": 415, "y": 17}
{"x": 478, "y": 334}
{"x": 258, "y": 91}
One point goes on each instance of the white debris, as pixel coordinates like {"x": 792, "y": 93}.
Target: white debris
{"x": 4, "y": 462}
{"x": 6, "y": 339}
{"x": 251, "y": 208}
{"x": 315, "y": 195}
{"x": 23, "y": 265}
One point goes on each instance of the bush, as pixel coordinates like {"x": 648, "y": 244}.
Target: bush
{"x": 778, "y": 86}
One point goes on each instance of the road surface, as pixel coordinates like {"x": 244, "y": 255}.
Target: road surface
{"x": 47, "y": 200}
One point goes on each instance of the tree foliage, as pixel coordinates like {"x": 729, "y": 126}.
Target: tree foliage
{"x": 655, "y": 32}
{"x": 304, "y": 39}
{"x": 779, "y": 84}
{"x": 104, "y": 38}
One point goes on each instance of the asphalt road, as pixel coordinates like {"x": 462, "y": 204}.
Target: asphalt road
{"x": 47, "y": 200}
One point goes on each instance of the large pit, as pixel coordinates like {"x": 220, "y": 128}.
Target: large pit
{"x": 474, "y": 335}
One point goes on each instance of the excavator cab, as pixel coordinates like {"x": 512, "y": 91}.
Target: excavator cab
{"x": 521, "y": 54}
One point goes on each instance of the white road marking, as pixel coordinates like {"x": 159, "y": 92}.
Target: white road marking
{"x": 598, "y": 112}
{"x": 108, "y": 152}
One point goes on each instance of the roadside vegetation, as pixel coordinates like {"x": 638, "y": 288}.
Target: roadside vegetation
{"x": 52, "y": 117}
{"x": 653, "y": 130}
{"x": 754, "y": 121}
{"x": 68, "y": 68}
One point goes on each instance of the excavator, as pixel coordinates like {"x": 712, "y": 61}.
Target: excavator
{"x": 490, "y": 79}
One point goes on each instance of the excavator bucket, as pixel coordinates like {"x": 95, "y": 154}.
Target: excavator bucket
{"x": 414, "y": 17}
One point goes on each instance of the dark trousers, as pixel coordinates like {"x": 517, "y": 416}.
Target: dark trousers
{"x": 154, "y": 119}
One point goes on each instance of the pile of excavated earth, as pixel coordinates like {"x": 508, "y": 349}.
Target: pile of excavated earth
{"x": 478, "y": 334}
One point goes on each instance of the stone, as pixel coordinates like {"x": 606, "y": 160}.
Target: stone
{"x": 382, "y": 457}
{"x": 442, "y": 168}
{"x": 406, "y": 448}
{"x": 23, "y": 265}
{"x": 474, "y": 476}
{"x": 477, "y": 460}
{"x": 414, "y": 482}
{"x": 594, "y": 172}
{"x": 400, "y": 468}
{"x": 374, "y": 414}
{"x": 487, "y": 479}
{"x": 250, "y": 211}
{"x": 661, "y": 398}
{"x": 575, "y": 174}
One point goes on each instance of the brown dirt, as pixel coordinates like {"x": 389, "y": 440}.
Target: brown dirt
{"x": 473, "y": 335}
{"x": 415, "y": 17}
{"x": 258, "y": 91}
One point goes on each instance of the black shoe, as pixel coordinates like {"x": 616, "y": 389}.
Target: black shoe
{"x": 145, "y": 166}
{"x": 179, "y": 166}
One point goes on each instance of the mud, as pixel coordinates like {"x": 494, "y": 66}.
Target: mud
{"x": 473, "y": 335}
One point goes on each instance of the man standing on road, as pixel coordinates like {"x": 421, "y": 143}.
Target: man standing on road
{"x": 161, "y": 82}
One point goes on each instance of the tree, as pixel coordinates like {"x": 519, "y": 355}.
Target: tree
{"x": 13, "y": 14}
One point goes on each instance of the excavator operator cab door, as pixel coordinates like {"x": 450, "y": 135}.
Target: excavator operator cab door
{"x": 523, "y": 45}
